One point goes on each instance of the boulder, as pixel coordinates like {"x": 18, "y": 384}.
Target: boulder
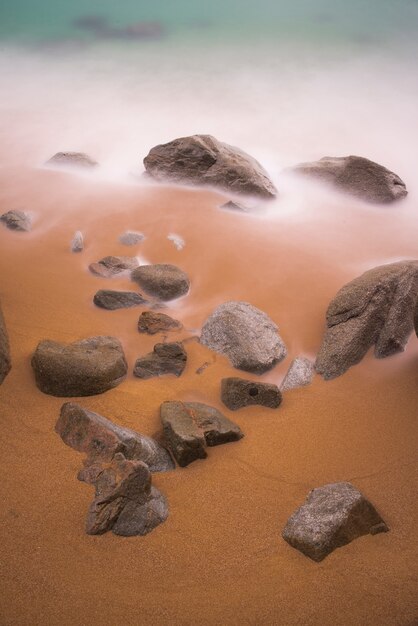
{"x": 357, "y": 176}
{"x": 203, "y": 160}
{"x": 237, "y": 393}
{"x": 73, "y": 159}
{"x": 100, "y": 439}
{"x": 82, "y": 368}
{"x": 331, "y": 517}
{"x": 111, "y": 265}
{"x": 162, "y": 281}
{"x": 166, "y": 358}
{"x": 151, "y": 323}
{"x": 77, "y": 243}
{"x": 191, "y": 426}
{"x": 5, "y": 362}
{"x": 17, "y": 220}
{"x": 299, "y": 374}
{"x": 246, "y": 335}
{"x": 112, "y": 300}
{"x": 377, "y": 308}
{"x": 131, "y": 238}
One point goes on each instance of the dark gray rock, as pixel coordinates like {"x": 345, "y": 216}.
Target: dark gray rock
{"x": 167, "y": 358}
{"x": 246, "y": 335}
{"x": 82, "y": 368}
{"x": 357, "y": 176}
{"x": 377, "y": 308}
{"x": 331, "y": 517}
{"x": 203, "y": 160}
{"x": 151, "y": 323}
{"x": 111, "y": 265}
{"x": 112, "y": 300}
{"x": 77, "y": 243}
{"x": 162, "y": 281}
{"x": 299, "y": 374}
{"x": 238, "y": 392}
{"x": 100, "y": 439}
{"x": 191, "y": 426}
{"x": 131, "y": 238}
{"x": 17, "y": 220}
{"x": 72, "y": 159}
{"x": 5, "y": 361}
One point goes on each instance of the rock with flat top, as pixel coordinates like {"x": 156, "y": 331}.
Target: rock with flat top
{"x": 17, "y": 220}
{"x": 112, "y": 300}
{"x": 152, "y": 323}
{"x": 203, "y": 160}
{"x": 299, "y": 374}
{"x": 237, "y": 393}
{"x": 162, "y": 281}
{"x": 166, "y": 358}
{"x": 110, "y": 266}
{"x": 331, "y": 517}
{"x": 72, "y": 159}
{"x": 5, "y": 362}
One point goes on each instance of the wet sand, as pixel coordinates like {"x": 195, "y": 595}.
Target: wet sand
{"x": 219, "y": 558}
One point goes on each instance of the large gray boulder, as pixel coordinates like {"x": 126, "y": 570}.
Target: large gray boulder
{"x": 357, "y": 176}
{"x": 246, "y": 335}
{"x": 82, "y": 368}
{"x": 162, "y": 281}
{"x": 237, "y": 393}
{"x": 203, "y": 160}
{"x": 5, "y": 362}
{"x": 377, "y": 308}
{"x": 331, "y": 517}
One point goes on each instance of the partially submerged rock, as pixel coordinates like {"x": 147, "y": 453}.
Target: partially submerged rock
{"x": 416, "y": 318}
{"x": 151, "y": 323}
{"x": 191, "y": 426}
{"x": 17, "y": 220}
{"x": 203, "y": 160}
{"x": 162, "y": 281}
{"x": 110, "y": 266}
{"x": 82, "y": 368}
{"x": 112, "y": 300}
{"x": 246, "y": 335}
{"x": 131, "y": 238}
{"x": 357, "y": 176}
{"x": 331, "y": 517}
{"x": 166, "y": 358}
{"x": 77, "y": 243}
{"x": 238, "y": 392}
{"x": 5, "y": 361}
{"x": 73, "y": 159}
{"x": 234, "y": 206}
{"x": 377, "y": 308}
{"x": 299, "y": 374}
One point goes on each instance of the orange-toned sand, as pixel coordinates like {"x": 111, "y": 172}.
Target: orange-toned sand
{"x": 219, "y": 558}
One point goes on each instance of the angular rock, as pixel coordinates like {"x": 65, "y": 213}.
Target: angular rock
{"x": 77, "y": 243}
{"x": 203, "y": 160}
{"x": 111, "y": 265}
{"x": 299, "y": 374}
{"x": 377, "y": 308}
{"x": 238, "y": 392}
{"x": 163, "y": 281}
{"x": 100, "y": 439}
{"x": 151, "y": 323}
{"x": 112, "y": 300}
{"x": 191, "y": 426}
{"x": 73, "y": 159}
{"x": 331, "y": 517}
{"x": 167, "y": 358}
{"x": 234, "y": 206}
{"x": 246, "y": 335}
{"x": 357, "y": 176}
{"x": 17, "y": 220}
{"x": 5, "y": 362}
{"x": 131, "y": 238}
{"x": 82, "y": 368}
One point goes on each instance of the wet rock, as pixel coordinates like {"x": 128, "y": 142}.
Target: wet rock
{"x": 331, "y": 517}
{"x": 82, "y": 368}
{"x": 112, "y": 300}
{"x": 17, "y": 220}
{"x": 203, "y": 160}
{"x": 191, "y": 426}
{"x": 246, "y": 335}
{"x": 151, "y": 323}
{"x": 77, "y": 243}
{"x": 73, "y": 159}
{"x": 167, "y": 358}
{"x": 5, "y": 362}
{"x": 357, "y": 176}
{"x": 416, "y": 318}
{"x": 234, "y": 206}
{"x": 377, "y": 308}
{"x": 238, "y": 392}
{"x": 111, "y": 265}
{"x": 299, "y": 374}
{"x": 131, "y": 238}
{"x": 163, "y": 281}
{"x": 100, "y": 439}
